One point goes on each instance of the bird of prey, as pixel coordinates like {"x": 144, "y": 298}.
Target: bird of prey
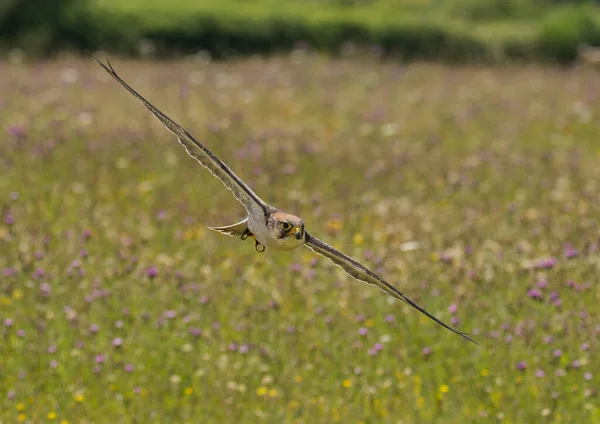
{"x": 267, "y": 225}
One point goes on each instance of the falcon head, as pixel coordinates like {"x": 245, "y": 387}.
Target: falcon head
{"x": 287, "y": 229}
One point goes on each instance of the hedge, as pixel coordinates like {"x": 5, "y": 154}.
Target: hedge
{"x": 223, "y": 30}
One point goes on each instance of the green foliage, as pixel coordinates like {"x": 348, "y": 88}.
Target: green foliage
{"x": 563, "y": 30}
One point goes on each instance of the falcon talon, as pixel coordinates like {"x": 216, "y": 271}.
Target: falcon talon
{"x": 269, "y": 226}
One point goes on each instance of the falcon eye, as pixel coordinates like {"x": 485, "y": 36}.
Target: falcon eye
{"x": 286, "y": 226}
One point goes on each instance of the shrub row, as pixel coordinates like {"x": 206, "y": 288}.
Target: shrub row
{"x": 226, "y": 31}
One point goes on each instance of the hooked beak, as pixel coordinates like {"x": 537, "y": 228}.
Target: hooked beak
{"x": 298, "y": 233}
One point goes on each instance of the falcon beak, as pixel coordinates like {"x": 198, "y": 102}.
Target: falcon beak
{"x": 298, "y": 233}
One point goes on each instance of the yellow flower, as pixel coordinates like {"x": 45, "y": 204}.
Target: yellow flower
{"x": 272, "y": 392}
{"x": 484, "y": 372}
{"x": 4, "y": 300}
{"x": 20, "y": 407}
{"x": 17, "y": 294}
{"x": 21, "y": 417}
{"x": 444, "y": 388}
{"x": 420, "y": 402}
{"x": 346, "y": 384}
{"x": 188, "y": 391}
{"x": 64, "y": 422}
{"x": 298, "y": 379}
{"x": 79, "y": 397}
{"x": 52, "y": 415}
{"x": 370, "y": 322}
{"x": 435, "y": 257}
{"x": 261, "y": 391}
{"x": 358, "y": 239}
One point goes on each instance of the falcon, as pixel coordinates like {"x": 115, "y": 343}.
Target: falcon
{"x": 267, "y": 225}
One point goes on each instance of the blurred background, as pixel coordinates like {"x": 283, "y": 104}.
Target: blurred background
{"x": 457, "y": 30}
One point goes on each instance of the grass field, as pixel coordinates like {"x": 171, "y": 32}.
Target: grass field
{"x": 118, "y": 305}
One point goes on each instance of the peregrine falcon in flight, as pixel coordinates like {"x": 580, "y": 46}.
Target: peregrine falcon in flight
{"x": 267, "y": 225}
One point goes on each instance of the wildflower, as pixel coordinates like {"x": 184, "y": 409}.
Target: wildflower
{"x": 188, "y": 391}
{"x": 587, "y": 375}
{"x": 540, "y": 373}
{"x": 170, "y": 314}
{"x": 298, "y": 379}
{"x": 20, "y": 407}
{"x": 261, "y": 391}
{"x": 570, "y": 251}
{"x": 363, "y": 331}
{"x": 117, "y": 342}
{"x": 53, "y": 364}
{"x": 444, "y": 388}
{"x": 152, "y": 272}
{"x": 452, "y": 308}
{"x": 534, "y": 294}
{"x": 21, "y": 417}
{"x": 52, "y": 415}
{"x": 484, "y": 372}
{"x": 272, "y": 393}
{"x": 426, "y": 351}
{"x": 128, "y": 368}
{"x": 195, "y": 332}
{"x": 21, "y": 333}
{"x": 8, "y": 322}
{"x": 94, "y": 328}
{"x": 346, "y": 384}
{"x": 389, "y": 318}
{"x": 79, "y": 397}
{"x": 522, "y": 365}
{"x": 557, "y": 353}
{"x": 11, "y": 394}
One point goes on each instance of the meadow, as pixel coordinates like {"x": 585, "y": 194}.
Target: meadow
{"x": 118, "y": 305}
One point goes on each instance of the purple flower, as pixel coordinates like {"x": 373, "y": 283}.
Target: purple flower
{"x": 10, "y": 271}
{"x": 576, "y": 363}
{"x": 291, "y": 329}
{"x": 454, "y": 321}
{"x": 152, "y": 272}
{"x": 38, "y": 254}
{"x": 570, "y": 251}
{"x": 137, "y": 390}
{"x": 521, "y": 365}
{"x": 540, "y": 373}
{"x": 554, "y": 295}
{"x": 584, "y": 346}
{"x": 170, "y": 314}
{"x": 389, "y": 318}
{"x": 195, "y": 331}
{"x": 453, "y": 308}
{"x": 86, "y": 234}
{"x": 545, "y": 263}
{"x": 45, "y": 290}
{"x": 39, "y": 272}
{"x": 21, "y": 333}
{"x": 8, "y": 322}
{"x": 83, "y": 253}
{"x": 426, "y": 351}
{"x": 360, "y": 318}
{"x": 534, "y": 294}
{"x": 363, "y": 331}
{"x": 372, "y": 352}
{"x": 53, "y": 363}
{"x": 117, "y": 342}
{"x": 11, "y": 394}
{"x": 128, "y": 368}
{"x": 542, "y": 283}
{"x": 17, "y": 131}
{"x": 377, "y": 347}
{"x": 204, "y": 299}
{"x": 51, "y": 349}
{"x": 587, "y": 375}
{"x": 557, "y": 353}
{"x": 99, "y": 359}
{"x": 232, "y": 347}
{"x": 296, "y": 267}
{"x": 243, "y": 348}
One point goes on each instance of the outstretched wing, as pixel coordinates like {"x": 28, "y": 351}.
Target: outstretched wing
{"x": 243, "y": 193}
{"x": 361, "y": 273}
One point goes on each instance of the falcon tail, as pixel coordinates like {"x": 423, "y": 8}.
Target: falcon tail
{"x": 233, "y": 230}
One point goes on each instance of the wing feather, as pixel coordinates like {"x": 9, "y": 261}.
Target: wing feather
{"x": 361, "y": 273}
{"x": 195, "y": 149}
